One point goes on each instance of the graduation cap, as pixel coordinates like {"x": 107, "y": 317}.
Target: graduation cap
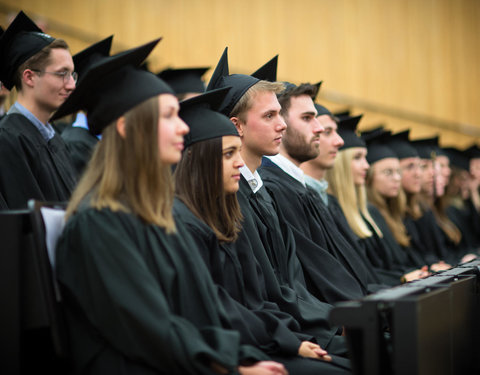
{"x": 83, "y": 60}
{"x": 377, "y": 145}
{"x": 402, "y": 146}
{"x": 317, "y": 85}
{"x": 113, "y": 86}
{"x": 20, "y": 41}
{"x": 458, "y": 158}
{"x": 427, "y": 148}
{"x": 239, "y": 83}
{"x": 185, "y": 79}
{"x": 321, "y": 110}
{"x": 372, "y": 133}
{"x": 202, "y": 116}
{"x": 473, "y": 152}
{"x": 342, "y": 114}
{"x": 347, "y": 129}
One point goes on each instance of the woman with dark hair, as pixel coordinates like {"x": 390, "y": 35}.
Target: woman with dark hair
{"x": 212, "y": 215}
{"x": 137, "y": 299}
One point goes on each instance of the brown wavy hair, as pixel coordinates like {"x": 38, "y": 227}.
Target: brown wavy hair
{"x": 199, "y": 184}
{"x": 126, "y": 173}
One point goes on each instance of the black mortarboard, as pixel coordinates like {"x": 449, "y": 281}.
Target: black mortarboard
{"x": 184, "y": 80}
{"x": 113, "y": 86}
{"x": 372, "y": 133}
{"x": 377, "y": 145}
{"x": 472, "y": 152}
{"x": 347, "y": 129}
{"x": 342, "y": 114}
{"x": 268, "y": 71}
{"x": 321, "y": 110}
{"x": 317, "y": 85}
{"x": 239, "y": 83}
{"x": 402, "y": 146}
{"x": 426, "y": 147}
{"x": 458, "y": 158}
{"x": 83, "y": 60}
{"x": 202, "y": 116}
{"x": 20, "y": 41}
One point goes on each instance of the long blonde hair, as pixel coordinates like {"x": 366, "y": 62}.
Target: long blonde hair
{"x": 392, "y": 210}
{"x": 126, "y": 173}
{"x": 352, "y": 198}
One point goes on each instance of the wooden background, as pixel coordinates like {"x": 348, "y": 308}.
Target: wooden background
{"x": 402, "y": 63}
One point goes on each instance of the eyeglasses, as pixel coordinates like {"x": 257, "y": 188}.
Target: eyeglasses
{"x": 64, "y": 75}
{"x": 391, "y": 172}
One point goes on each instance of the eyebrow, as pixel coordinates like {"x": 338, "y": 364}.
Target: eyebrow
{"x": 309, "y": 113}
{"x": 230, "y": 148}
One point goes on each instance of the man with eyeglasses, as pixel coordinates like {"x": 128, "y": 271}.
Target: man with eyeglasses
{"x": 34, "y": 163}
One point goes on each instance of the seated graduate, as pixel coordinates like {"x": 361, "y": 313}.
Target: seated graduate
{"x": 386, "y": 200}
{"x": 34, "y": 162}
{"x": 430, "y": 248}
{"x": 301, "y": 207}
{"x": 445, "y": 237}
{"x": 212, "y": 215}
{"x": 77, "y": 137}
{"x": 473, "y": 154}
{"x": 253, "y": 107}
{"x": 137, "y": 299}
{"x": 457, "y": 199}
{"x": 346, "y": 182}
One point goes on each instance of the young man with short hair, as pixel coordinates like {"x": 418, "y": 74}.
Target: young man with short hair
{"x": 253, "y": 107}
{"x": 34, "y": 163}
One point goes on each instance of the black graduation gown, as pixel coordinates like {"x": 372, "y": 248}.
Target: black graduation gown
{"x": 30, "y": 167}
{"x": 241, "y": 290}
{"x": 467, "y": 220}
{"x": 321, "y": 248}
{"x": 80, "y": 144}
{"x": 379, "y": 277}
{"x": 435, "y": 242}
{"x": 284, "y": 281}
{"x": 138, "y": 301}
{"x": 401, "y": 258}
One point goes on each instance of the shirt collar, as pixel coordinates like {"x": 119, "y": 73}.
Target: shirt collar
{"x": 80, "y": 121}
{"x": 45, "y": 130}
{"x": 320, "y": 186}
{"x": 288, "y": 167}
{"x": 254, "y": 180}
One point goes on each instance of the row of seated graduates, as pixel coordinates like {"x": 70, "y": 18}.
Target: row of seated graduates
{"x": 353, "y": 270}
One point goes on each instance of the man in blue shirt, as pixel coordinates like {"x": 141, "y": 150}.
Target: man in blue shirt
{"x": 34, "y": 163}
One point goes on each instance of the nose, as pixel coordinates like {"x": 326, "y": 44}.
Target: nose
{"x": 317, "y": 127}
{"x": 281, "y": 124}
{"x": 182, "y": 127}
{"x": 239, "y": 163}
{"x": 70, "y": 84}
{"x": 339, "y": 141}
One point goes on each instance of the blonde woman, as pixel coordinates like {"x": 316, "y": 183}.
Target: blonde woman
{"x": 347, "y": 183}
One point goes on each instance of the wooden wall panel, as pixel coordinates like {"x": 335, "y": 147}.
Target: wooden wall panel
{"x": 406, "y": 63}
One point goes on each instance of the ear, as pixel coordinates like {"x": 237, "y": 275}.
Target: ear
{"x": 120, "y": 125}
{"x": 28, "y": 77}
{"x": 238, "y": 124}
